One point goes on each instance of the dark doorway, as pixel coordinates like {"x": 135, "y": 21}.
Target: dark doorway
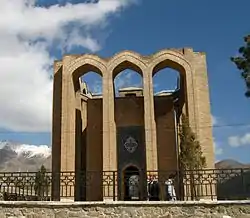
{"x": 131, "y": 184}
{"x": 131, "y": 161}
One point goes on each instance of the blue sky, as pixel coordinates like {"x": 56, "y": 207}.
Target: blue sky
{"x": 214, "y": 27}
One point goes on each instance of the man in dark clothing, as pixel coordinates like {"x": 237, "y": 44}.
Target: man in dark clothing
{"x": 153, "y": 190}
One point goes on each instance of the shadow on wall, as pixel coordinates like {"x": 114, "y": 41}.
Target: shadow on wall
{"x": 235, "y": 187}
{"x": 80, "y": 159}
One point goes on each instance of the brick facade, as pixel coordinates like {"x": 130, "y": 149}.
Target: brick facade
{"x": 92, "y": 123}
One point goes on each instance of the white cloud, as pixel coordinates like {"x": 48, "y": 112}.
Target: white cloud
{"x": 246, "y": 139}
{"x": 125, "y": 79}
{"x": 237, "y": 141}
{"x": 217, "y": 148}
{"x": 214, "y": 120}
{"x": 27, "y": 33}
{"x": 96, "y": 87}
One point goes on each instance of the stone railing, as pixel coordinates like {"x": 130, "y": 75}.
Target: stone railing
{"x": 217, "y": 209}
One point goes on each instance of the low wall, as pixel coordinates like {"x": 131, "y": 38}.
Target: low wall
{"x": 226, "y": 209}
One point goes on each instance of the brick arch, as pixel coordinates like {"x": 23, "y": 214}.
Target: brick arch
{"x": 126, "y": 60}
{"x": 171, "y": 59}
{"x": 83, "y": 65}
{"x": 87, "y": 59}
{"x": 119, "y": 62}
{"x": 176, "y": 61}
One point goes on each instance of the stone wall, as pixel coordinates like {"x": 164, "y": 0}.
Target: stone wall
{"x": 239, "y": 209}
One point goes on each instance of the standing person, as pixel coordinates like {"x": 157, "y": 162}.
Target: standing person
{"x": 170, "y": 189}
{"x": 154, "y": 190}
{"x": 149, "y": 181}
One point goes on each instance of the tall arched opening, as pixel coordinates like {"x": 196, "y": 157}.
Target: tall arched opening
{"x": 88, "y": 132}
{"x": 166, "y": 83}
{"x": 169, "y": 98}
{"x": 129, "y": 117}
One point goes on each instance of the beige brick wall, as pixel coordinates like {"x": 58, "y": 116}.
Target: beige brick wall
{"x": 192, "y": 68}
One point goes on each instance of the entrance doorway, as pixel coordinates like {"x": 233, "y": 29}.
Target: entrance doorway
{"x": 131, "y": 178}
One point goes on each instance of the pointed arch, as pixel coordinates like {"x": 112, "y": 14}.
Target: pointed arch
{"x": 126, "y": 60}
{"x": 172, "y": 59}
{"x": 118, "y": 63}
{"x": 83, "y": 65}
{"x": 176, "y": 61}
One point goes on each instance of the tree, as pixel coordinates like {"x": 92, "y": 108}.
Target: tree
{"x": 42, "y": 183}
{"x": 242, "y": 62}
{"x": 191, "y": 160}
{"x": 191, "y": 156}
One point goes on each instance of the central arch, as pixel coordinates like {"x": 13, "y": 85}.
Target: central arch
{"x": 121, "y": 61}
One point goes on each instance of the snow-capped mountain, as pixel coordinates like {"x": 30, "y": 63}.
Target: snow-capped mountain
{"x": 23, "y": 157}
{"x": 27, "y": 150}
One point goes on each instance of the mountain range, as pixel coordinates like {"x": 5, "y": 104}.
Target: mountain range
{"x": 17, "y": 157}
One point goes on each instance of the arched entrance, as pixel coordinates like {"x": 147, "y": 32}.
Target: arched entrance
{"x": 131, "y": 178}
